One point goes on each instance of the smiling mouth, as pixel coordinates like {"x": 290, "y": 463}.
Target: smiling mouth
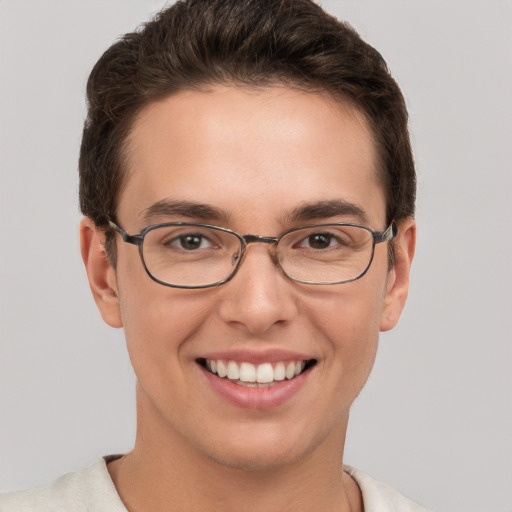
{"x": 261, "y": 375}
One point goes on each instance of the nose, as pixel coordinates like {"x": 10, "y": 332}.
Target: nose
{"x": 259, "y": 296}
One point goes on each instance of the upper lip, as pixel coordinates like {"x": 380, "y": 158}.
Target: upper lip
{"x": 257, "y": 356}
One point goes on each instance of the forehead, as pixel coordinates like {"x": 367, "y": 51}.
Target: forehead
{"x": 236, "y": 148}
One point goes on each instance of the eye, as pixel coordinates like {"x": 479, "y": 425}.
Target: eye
{"x": 190, "y": 242}
{"x": 319, "y": 241}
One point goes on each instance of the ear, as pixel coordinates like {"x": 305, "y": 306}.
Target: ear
{"x": 101, "y": 274}
{"x": 398, "y": 278}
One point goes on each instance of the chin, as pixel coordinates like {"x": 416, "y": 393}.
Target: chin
{"x": 267, "y": 460}
{"x": 263, "y": 449}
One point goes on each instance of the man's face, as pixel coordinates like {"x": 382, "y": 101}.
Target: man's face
{"x": 255, "y": 157}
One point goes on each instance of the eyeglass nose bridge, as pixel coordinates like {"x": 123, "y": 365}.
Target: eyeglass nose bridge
{"x": 251, "y": 239}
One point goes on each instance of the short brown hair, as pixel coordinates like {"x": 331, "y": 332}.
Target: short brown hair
{"x": 197, "y": 43}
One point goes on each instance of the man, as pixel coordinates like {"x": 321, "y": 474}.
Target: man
{"x": 248, "y": 190}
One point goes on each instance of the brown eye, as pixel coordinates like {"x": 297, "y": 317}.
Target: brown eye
{"x": 190, "y": 242}
{"x": 319, "y": 240}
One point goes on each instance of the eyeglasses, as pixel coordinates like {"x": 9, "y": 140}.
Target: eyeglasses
{"x": 190, "y": 255}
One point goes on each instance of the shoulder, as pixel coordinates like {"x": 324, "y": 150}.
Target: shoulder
{"x": 380, "y": 497}
{"x": 88, "y": 489}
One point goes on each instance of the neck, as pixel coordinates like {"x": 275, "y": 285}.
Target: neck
{"x": 164, "y": 472}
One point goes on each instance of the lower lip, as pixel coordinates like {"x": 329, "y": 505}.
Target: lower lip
{"x": 257, "y": 398}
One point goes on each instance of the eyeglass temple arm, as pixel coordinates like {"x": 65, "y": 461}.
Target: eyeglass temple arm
{"x": 130, "y": 239}
{"x": 388, "y": 234}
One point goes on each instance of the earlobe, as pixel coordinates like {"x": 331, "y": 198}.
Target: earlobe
{"x": 398, "y": 278}
{"x": 100, "y": 273}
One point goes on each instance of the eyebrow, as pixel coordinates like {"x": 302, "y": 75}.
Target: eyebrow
{"x": 205, "y": 212}
{"x": 189, "y": 209}
{"x": 326, "y": 209}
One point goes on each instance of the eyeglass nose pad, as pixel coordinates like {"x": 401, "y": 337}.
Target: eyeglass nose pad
{"x": 275, "y": 256}
{"x": 235, "y": 258}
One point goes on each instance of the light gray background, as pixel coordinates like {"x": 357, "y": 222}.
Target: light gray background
{"x": 435, "y": 419}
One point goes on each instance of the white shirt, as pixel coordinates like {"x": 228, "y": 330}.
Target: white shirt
{"x": 92, "y": 490}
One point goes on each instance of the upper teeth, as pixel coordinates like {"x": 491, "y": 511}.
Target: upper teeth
{"x": 261, "y": 373}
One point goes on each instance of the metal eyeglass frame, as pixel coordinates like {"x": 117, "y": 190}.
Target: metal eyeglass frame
{"x": 378, "y": 237}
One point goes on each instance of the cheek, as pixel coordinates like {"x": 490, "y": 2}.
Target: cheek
{"x": 158, "y": 321}
{"x": 353, "y": 311}
{"x": 349, "y": 321}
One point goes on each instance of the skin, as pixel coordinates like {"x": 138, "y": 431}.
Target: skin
{"x": 256, "y": 155}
